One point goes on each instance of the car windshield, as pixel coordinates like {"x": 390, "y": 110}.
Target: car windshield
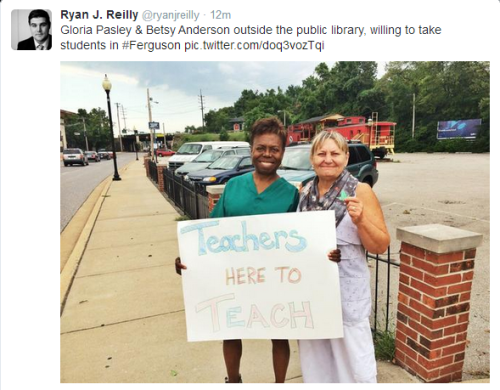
{"x": 71, "y": 151}
{"x": 89, "y": 153}
{"x": 243, "y": 151}
{"x": 208, "y": 156}
{"x": 189, "y": 149}
{"x": 226, "y": 162}
{"x": 296, "y": 158}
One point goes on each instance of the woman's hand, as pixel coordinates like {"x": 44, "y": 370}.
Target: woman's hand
{"x": 355, "y": 209}
{"x": 179, "y": 266}
{"x": 334, "y": 255}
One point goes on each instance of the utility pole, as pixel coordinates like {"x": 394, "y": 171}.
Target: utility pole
{"x": 202, "y": 116}
{"x": 119, "y": 127}
{"x": 85, "y": 134}
{"x": 413, "y": 121}
{"x": 164, "y": 136}
{"x": 150, "y": 130}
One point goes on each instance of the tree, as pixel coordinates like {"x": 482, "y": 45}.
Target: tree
{"x": 96, "y": 126}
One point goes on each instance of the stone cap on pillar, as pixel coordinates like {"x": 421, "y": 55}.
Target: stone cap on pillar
{"x": 215, "y": 190}
{"x": 439, "y": 238}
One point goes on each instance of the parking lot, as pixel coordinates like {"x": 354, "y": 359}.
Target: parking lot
{"x": 453, "y": 190}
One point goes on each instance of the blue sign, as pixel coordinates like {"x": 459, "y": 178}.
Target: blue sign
{"x": 466, "y": 128}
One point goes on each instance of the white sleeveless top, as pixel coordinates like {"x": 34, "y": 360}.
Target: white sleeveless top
{"x": 354, "y": 274}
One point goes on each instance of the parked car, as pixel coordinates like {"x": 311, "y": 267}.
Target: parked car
{"x": 190, "y": 150}
{"x": 207, "y": 158}
{"x": 104, "y": 154}
{"x": 93, "y": 155}
{"x": 164, "y": 152}
{"x": 74, "y": 156}
{"x": 222, "y": 169}
{"x": 296, "y": 167}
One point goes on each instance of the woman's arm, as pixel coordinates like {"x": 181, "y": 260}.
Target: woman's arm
{"x": 366, "y": 214}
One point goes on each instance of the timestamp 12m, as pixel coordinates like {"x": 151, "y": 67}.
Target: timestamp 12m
{"x": 218, "y": 14}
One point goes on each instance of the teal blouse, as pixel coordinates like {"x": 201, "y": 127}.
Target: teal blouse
{"x": 240, "y": 198}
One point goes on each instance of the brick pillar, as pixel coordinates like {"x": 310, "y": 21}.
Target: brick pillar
{"x": 161, "y": 184}
{"x": 146, "y": 163}
{"x": 214, "y": 194}
{"x": 435, "y": 284}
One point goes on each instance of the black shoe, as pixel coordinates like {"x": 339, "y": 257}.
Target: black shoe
{"x": 226, "y": 380}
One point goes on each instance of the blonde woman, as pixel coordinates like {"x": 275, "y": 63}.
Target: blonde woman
{"x": 360, "y": 225}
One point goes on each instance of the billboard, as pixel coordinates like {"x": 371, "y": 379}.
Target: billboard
{"x": 466, "y": 128}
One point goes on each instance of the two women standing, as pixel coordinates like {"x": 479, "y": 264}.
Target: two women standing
{"x": 360, "y": 225}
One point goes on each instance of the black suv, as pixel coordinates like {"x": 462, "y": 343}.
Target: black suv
{"x": 296, "y": 167}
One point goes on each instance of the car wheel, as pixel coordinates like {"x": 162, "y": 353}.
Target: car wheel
{"x": 368, "y": 180}
{"x": 66, "y": 164}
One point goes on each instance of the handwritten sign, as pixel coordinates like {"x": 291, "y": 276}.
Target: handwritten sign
{"x": 261, "y": 277}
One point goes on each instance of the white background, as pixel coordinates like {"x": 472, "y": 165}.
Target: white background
{"x": 30, "y": 166}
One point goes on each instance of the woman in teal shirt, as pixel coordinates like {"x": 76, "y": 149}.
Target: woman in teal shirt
{"x": 258, "y": 192}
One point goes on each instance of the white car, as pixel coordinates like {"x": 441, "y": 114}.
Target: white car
{"x": 74, "y": 156}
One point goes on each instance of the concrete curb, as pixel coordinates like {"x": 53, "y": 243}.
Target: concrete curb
{"x": 71, "y": 267}
{"x": 69, "y": 271}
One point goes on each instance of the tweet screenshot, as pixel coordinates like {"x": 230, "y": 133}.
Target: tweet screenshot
{"x": 246, "y": 192}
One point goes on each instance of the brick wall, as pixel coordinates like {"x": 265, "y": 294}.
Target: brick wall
{"x": 433, "y": 312}
{"x": 161, "y": 183}
{"x": 146, "y": 163}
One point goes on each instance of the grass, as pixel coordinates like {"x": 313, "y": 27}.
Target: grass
{"x": 182, "y": 218}
{"x": 385, "y": 345}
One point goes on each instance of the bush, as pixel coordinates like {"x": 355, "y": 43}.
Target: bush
{"x": 224, "y": 136}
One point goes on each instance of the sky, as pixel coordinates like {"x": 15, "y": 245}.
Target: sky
{"x": 173, "y": 86}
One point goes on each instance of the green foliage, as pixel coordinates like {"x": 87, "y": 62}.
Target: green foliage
{"x": 97, "y": 129}
{"x": 182, "y": 218}
{"x": 239, "y": 136}
{"x": 443, "y": 91}
{"x": 385, "y": 345}
{"x": 224, "y": 136}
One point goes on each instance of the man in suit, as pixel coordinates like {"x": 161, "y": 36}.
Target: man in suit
{"x": 39, "y": 22}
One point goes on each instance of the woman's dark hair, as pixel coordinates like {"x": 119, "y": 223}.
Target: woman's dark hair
{"x": 268, "y": 126}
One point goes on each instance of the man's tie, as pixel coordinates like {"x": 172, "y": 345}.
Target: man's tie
{"x": 39, "y": 47}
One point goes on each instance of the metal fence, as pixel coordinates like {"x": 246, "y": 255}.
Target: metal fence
{"x": 153, "y": 171}
{"x": 382, "y": 299}
{"x": 191, "y": 198}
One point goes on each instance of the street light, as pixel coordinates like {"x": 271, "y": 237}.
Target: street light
{"x": 106, "y": 84}
{"x": 135, "y": 145}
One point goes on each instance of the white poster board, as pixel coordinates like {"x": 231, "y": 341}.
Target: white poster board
{"x": 261, "y": 277}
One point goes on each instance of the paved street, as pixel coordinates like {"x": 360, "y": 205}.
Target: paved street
{"x": 77, "y": 182}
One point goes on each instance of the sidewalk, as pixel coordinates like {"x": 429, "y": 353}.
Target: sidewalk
{"x": 123, "y": 320}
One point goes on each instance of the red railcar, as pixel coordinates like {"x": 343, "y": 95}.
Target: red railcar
{"x": 378, "y": 136}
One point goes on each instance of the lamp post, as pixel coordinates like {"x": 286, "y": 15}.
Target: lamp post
{"x": 135, "y": 145}
{"x": 106, "y": 84}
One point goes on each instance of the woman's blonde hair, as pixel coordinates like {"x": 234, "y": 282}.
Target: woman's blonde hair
{"x": 321, "y": 137}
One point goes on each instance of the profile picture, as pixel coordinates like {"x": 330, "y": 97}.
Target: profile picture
{"x": 31, "y": 29}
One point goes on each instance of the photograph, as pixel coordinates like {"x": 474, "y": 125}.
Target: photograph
{"x": 172, "y": 271}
